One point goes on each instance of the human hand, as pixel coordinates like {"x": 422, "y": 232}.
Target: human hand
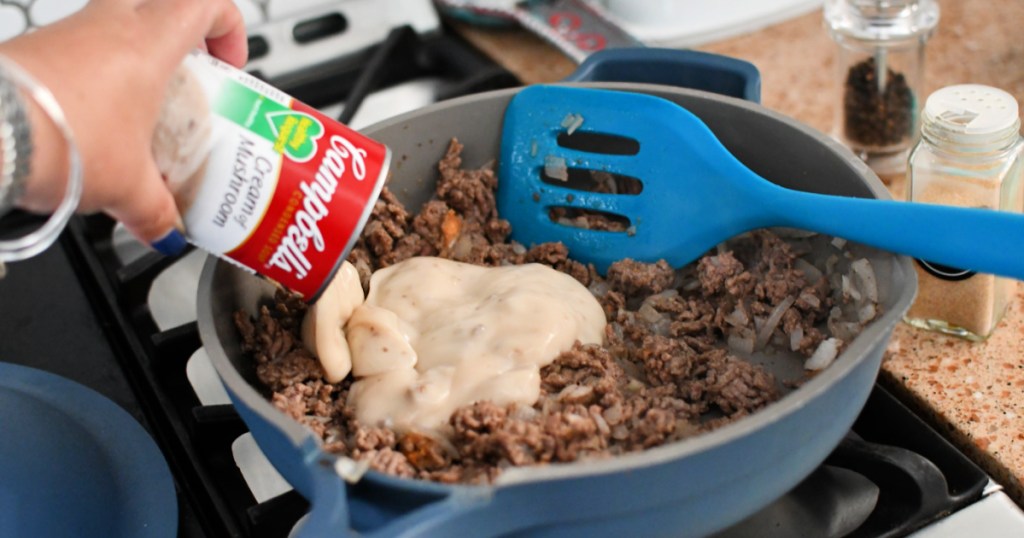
{"x": 109, "y": 66}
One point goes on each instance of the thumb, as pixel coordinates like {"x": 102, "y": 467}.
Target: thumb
{"x": 148, "y": 211}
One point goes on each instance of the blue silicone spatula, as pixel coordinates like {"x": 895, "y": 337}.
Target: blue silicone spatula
{"x": 696, "y": 194}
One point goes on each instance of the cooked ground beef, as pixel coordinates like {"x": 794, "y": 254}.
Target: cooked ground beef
{"x": 662, "y": 375}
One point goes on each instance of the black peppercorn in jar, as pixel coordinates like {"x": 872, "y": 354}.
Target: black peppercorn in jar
{"x": 880, "y": 71}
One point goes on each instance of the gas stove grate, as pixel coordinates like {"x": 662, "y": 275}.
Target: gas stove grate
{"x": 921, "y": 476}
{"x": 196, "y": 439}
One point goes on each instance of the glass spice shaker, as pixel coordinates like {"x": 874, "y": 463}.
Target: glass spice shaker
{"x": 969, "y": 155}
{"x": 880, "y": 72}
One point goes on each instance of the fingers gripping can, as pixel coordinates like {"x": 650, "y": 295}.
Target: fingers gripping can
{"x": 263, "y": 180}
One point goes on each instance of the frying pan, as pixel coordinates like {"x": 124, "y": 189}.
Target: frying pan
{"x": 689, "y": 488}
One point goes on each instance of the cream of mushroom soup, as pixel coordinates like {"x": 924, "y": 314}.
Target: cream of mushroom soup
{"x": 434, "y": 335}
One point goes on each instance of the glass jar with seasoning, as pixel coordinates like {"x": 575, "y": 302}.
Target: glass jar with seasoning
{"x": 880, "y": 72}
{"x": 969, "y": 155}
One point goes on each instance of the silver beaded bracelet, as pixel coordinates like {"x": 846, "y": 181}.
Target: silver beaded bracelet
{"x": 16, "y": 145}
{"x": 15, "y": 142}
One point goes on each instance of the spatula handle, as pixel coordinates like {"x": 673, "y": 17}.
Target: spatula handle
{"x": 982, "y": 240}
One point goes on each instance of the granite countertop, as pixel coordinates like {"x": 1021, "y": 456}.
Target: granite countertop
{"x": 972, "y": 392}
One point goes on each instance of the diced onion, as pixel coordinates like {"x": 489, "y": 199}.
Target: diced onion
{"x": 602, "y": 424}
{"x": 795, "y": 338}
{"x": 830, "y": 263}
{"x": 571, "y": 122}
{"x": 764, "y": 334}
{"x": 351, "y": 470}
{"x": 823, "y": 356}
{"x": 662, "y": 327}
{"x": 599, "y": 288}
{"x": 849, "y": 290}
{"x": 575, "y": 393}
{"x": 665, "y": 295}
{"x": 738, "y": 317}
{"x": 868, "y": 284}
{"x": 634, "y": 386}
{"x": 846, "y": 330}
{"x": 648, "y": 313}
{"x": 613, "y": 414}
{"x": 576, "y": 124}
{"x": 811, "y": 273}
{"x": 524, "y": 412}
{"x": 555, "y": 168}
{"x": 866, "y": 313}
{"x": 741, "y": 341}
{"x": 463, "y": 247}
{"x": 810, "y": 299}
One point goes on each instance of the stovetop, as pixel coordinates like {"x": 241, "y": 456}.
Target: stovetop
{"x": 84, "y": 310}
{"x": 110, "y": 342}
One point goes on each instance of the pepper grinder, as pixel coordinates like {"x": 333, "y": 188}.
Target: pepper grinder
{"x": 879, "y": 74}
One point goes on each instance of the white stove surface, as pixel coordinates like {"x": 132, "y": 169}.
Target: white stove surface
{"x": 994, "y": 516}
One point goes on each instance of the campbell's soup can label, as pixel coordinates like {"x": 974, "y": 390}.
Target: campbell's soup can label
{"x": 263, "y": 180}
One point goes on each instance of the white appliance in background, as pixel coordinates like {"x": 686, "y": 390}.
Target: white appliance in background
{"x": 685, "y": 23}
{"x": 299, "y": 33}
{"x": 292, "y": 35}
{"x": 665, "y": 23}
{"x": 296, "y": 33}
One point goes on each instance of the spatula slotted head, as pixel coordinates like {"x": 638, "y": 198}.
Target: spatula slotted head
{"x": 564, "y": 148}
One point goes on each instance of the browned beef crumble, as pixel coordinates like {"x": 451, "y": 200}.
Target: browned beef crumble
{"x": 662, "y": 375}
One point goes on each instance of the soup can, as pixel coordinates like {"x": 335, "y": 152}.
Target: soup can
{"x": 263, "y": 180}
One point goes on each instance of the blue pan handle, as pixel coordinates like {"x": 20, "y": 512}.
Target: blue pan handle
{"x": 463, "y": 511}
{"x": 673, "y": 67}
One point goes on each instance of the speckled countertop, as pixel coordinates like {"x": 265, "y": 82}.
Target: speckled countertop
{"x": 972, "y": 392}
